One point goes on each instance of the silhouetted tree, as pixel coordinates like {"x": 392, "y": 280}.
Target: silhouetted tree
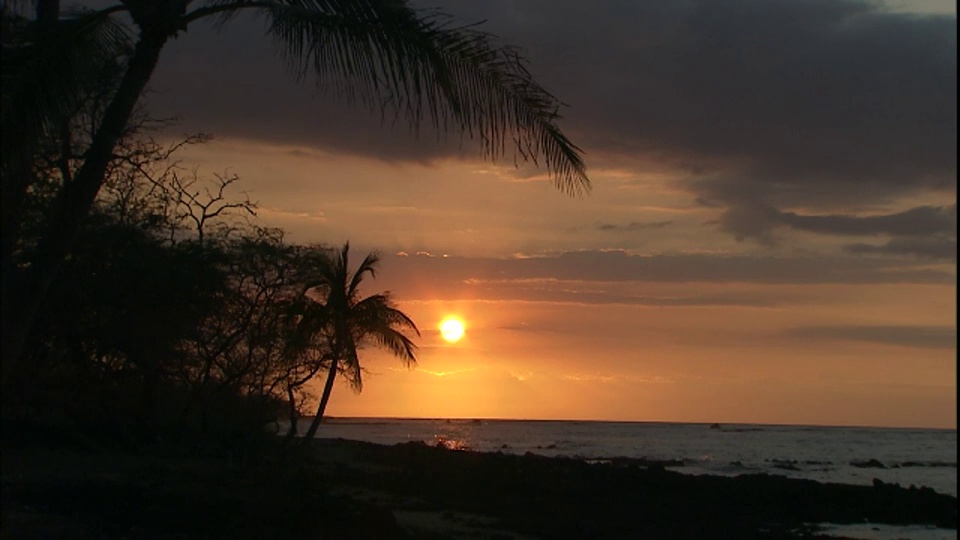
{"x": 51, "y": 69}
{"x": 140, "y": 290}
{"x": 380, "y": 51}
{"x": 116, "y": 336}
{"x": 347, "y": 321}
{"x": 241, "y": 349}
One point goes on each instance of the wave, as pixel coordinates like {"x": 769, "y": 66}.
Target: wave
{"x": 928, "y": 464}
{"x": 877, "y": 464}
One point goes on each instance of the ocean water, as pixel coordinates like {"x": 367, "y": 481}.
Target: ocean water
{"x": 850, "y": 455}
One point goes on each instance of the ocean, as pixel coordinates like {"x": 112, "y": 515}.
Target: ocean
{"x": 851, "y": 455}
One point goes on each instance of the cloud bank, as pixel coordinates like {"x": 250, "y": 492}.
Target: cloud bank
{"x": 784, "y": 115}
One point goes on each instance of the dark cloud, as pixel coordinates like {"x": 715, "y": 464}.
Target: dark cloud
{"x": 571, "y": 293}
{"x": 619, "y": 266}
{"x": 232, "y": 82}
{"x": 633, "y": 226}
{"x": 926, "y": 337}
{"x": 919, "y": 221}
{"x": 831, "y": 93}
{"x": 835, "y": 92}
{"x": 924, "y": 248}
{"x": 756, "y": 220}
{"x": 768, "y": 105}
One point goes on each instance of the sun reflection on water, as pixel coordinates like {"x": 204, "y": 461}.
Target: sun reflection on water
{"x": 451, "y": 444}
{"x": 455, "y": 435}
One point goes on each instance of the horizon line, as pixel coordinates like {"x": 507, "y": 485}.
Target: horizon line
{"x": 608, "y": 421}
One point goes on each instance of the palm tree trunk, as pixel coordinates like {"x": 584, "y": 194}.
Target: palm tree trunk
{"x": 327, "y": 388}
{"x": 18, "y": 153}
{"x": 148, "y": 398}
{"x": 72, "y": 206}
{"x": 19, "y": 150}
{"x": 294, "y": 415}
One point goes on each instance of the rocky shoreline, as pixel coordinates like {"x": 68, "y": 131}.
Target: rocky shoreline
{"x": 350, "y": 489}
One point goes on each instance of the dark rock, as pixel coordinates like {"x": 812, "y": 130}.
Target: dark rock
{"x": 643, "y": 462}
{"x": 869, "y": 464}
{"x": 928, "y": 464}
{"x": 530, "y": 495}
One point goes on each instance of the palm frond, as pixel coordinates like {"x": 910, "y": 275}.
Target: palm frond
{"x": 46, "y": 75}
{"x": 375, "y": 318}
{"x": 352, "y": 370}
{"x": 307, "y": 321}
{"x": 329, "y": 277}
{"x": 368, "y": 266}
{"x": 417, "y": 64}
{"x": 379, "y": 308}
{"x": 396, "y": 342}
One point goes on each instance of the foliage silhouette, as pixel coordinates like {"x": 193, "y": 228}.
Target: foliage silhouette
{"x": 337, "y": 313}
{"x": 172, "y": 316}
{"x": 381, "y": 52}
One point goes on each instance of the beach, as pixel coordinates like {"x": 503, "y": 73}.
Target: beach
{"x": 338, "y": 488}
{"x": 377, "y": 269}
{"x": 832, "y": 454}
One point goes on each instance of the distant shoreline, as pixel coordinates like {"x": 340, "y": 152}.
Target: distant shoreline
{"x": 369, "y": 419}
{"x": 353, "y": 489}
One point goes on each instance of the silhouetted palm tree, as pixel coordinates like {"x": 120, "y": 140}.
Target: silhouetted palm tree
{"x": 382, "y": 52}
{"x": 347, "y": 321}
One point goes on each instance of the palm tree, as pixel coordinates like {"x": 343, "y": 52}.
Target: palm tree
{"x": 382, "y": 52}
{"x": 347, "y": 322}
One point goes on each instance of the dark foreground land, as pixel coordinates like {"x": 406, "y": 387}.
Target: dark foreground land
{"x": 347, "y": 489}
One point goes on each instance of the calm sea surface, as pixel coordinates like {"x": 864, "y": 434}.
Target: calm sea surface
{"x": 852, "y": 455}
{"x": 920, "y": 457}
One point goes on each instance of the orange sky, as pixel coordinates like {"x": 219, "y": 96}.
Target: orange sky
{"x": 540, "y": 360}
{"x": 753, "y": 345}
{"x": 771, "y": 234}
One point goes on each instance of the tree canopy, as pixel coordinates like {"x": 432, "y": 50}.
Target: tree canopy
{"x": 415, "y": 64}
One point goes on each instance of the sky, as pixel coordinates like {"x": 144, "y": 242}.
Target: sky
{"x": 771, "y": 234}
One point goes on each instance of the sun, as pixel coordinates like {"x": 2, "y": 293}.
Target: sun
{"x": 451, "y": 329}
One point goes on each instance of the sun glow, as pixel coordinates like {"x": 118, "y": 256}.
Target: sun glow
{"x": 451, "y": 329}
